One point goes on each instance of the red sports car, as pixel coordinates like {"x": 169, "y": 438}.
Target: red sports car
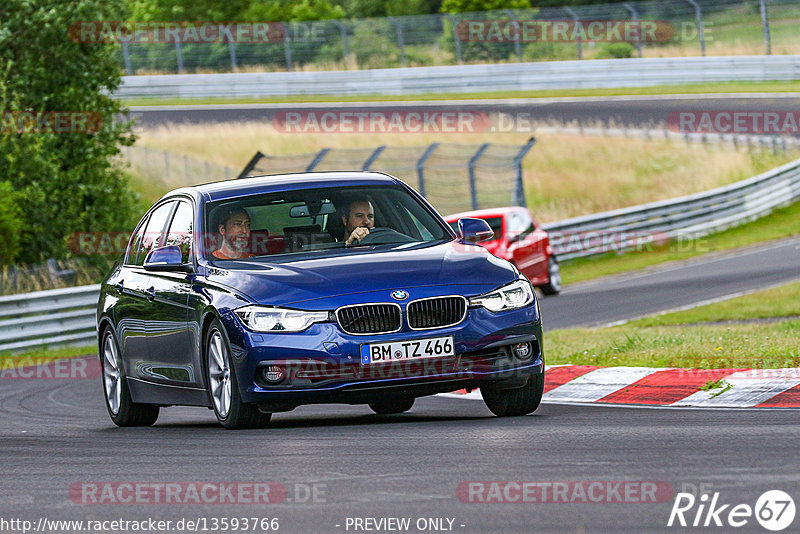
{"x": 519, "y": 239}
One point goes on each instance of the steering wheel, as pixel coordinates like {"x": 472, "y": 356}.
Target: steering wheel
{"x": 381, "y": 235}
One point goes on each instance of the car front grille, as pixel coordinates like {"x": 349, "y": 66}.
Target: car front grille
{"x": 436, "y": 312}
{"x": 369, "y": 318}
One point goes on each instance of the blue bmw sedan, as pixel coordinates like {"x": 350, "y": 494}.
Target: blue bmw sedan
{"x": 258, "y": 295}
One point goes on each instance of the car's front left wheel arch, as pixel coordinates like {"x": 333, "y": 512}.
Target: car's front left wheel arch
{"x": 223, "y": 383}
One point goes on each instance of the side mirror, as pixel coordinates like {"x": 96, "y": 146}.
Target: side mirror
{"x": 166, "y": 259}
{"x": 474, "y": 230}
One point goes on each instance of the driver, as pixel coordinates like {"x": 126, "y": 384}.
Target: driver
{"x": 234, "y": 230}
{"x": 358, "y": 219}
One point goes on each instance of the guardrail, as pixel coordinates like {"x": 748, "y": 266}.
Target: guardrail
{"x": 687, "y": 217}
{"x": 62, "y": 316}
{"x": 52, "y": 317}
{"x": 599, "y": 73}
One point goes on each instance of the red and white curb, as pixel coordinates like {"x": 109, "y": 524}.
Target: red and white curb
{"x": 738, "y": 388}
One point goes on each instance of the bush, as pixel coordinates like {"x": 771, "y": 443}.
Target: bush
{"x": 616, "y": 50}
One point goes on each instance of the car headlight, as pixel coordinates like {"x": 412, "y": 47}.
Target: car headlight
{"x": 266, "y": 319}
{"x": 509, "y": 297}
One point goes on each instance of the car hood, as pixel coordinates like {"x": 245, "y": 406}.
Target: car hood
{"x": 342, "y": 279}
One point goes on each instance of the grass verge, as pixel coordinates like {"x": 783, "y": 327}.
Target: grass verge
{"x": 43, "y": 355}
{"x": 701, "y": 88}
{"x": 694, "y": 338}
{"x": 783, "y": 222}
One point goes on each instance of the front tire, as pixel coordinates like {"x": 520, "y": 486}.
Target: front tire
{"x": 223, "y": 385}
{"x": 120, "y": 406}
{"x": 392, "y": 406}
{"x": 553, "y": 285}
{"x": 517, "y": 401}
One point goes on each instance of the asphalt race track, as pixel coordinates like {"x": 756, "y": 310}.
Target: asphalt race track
{"x": 631, "y": 111}
{"x": 671, "y": 286}
{"x": 56, "y": 437}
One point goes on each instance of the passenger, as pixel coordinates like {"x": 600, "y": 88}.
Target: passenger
{"x": 358, "y": 219}
{"x": 234, "y": 230}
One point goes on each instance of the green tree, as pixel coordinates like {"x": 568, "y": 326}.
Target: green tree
{"x": 465, "y": 6}
{"x": 64, "y": 182}
{"x": 10, "y": 224}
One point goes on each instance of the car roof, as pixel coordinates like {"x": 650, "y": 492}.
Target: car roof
{"x": 489, "y": 212}
{"x": 282, "y": 182}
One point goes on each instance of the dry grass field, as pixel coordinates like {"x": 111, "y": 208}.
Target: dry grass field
{"x": 565, "y": 175}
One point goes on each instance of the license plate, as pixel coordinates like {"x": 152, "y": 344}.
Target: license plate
{"x": 435, "y": 347}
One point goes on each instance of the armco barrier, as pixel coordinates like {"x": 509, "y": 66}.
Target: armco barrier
{"x": 68, "y": 315}
{"x": 598, "y": 73}
{"x": 690, "y": 216}
{"x": 53, "y": 317}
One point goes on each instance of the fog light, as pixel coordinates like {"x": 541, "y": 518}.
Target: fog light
{"x": 523, "y": 351}
{"x": 273, "y": 374}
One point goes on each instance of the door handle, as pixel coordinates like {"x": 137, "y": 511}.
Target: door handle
{"x": 150, "y": 294}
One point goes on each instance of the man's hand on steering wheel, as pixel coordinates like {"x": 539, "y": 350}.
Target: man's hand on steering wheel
{"x": 357, "y": 235}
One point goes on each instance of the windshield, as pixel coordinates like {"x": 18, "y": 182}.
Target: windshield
{"x": 308, "y": 221}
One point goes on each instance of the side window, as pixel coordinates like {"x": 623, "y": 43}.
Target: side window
{"x": 180, "y": 231}
{"x": 130, "y": 255}
{"x": 152, "y": 234}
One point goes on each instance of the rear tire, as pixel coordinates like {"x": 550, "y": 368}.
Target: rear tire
{"x": 223, "y": 385}
{"x": 553, "y": 285}
{"x": 392, "y": 406}
{"x": 517, "y": 401}
{"x": 120, "y": 406}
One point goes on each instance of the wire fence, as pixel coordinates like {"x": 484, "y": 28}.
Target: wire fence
{"x": 453, "y": 177}
{"x": 651, "y": 28}
{"x": 164, "y": 170}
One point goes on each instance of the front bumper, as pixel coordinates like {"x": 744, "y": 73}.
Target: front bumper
{"x": 323, "y": 364}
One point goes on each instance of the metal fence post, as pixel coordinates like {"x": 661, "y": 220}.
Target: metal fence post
{"x": 421, "y": 166}
{"x": 517, "y": 46}
{"x": 578, "y": 41}
{"x": 634, "y": 18}
{"x": 232, "y": 53}
{"x": 400, "y": 41}
{"x": 372, "y": 157}
{"x": 126, "y": 58}
{"x": 765, "y": 22}
{"x": 700, "y": 30}
{"x": 186, "y": 168}
{"x": 456, "y": 39}
{"x": 519, "y": 190}
{"x": 317, "y": 159}
{"x": 250, "y": 165}
{"x": 473, "y": 187}
{"x": 287, "y": 48}
{"x": 345, "y": 42}
{"x": 179, "y": 55}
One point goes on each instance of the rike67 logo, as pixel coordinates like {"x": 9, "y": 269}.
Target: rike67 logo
{"x": 774, "y": 510}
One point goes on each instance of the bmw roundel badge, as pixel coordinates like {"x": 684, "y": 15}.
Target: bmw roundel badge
{"x": 399, "y": 294}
